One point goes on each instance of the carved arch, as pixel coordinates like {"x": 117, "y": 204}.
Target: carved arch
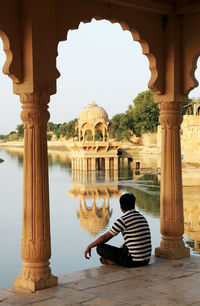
{"x": 102, "y": 124}
{"x": 11, "y": 65}
{"x": 191, "y": 51}
{"x": 194, "y": 83}
{"x": 155, "y": 84}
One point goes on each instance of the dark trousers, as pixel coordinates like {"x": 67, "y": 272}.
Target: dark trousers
{"x": 120, "y": 256}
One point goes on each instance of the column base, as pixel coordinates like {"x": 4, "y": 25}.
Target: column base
{"x": 34, "y": 286}
{"x": 177, "y": 253}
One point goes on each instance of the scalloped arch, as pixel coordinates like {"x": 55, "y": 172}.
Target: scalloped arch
{"x": 193, "y": 81}
{"x": 102, "y": 123}
{"x": 82, "y": 126}
{"x": 136, "y": 37}
{"x": 9, "y": 57}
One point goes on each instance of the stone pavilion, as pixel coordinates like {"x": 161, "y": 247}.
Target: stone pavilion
{"x": 91, "y": 153}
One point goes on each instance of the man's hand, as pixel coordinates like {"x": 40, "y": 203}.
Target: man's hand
{"x": 102, "y": 239}
{"x": 88, "y": 251}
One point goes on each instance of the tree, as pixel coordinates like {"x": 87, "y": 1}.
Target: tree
{"x": 145, "y": 113}
{"x": 20, "y": 130}
{"x": 70, "y": 130}
{"x": 98, "y": 135}
{"x": 57, "y": 133}
{"x": 120, "y": 127}
{"x": 188, "y": 106}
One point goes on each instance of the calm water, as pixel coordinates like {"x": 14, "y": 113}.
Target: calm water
{"x": 82, "y": 207}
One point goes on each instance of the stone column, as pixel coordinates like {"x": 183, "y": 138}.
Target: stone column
{"x": 107, "y": 164}
{"x": 115, "y": 163}
{"x": 171, "y": 210}
{"x": 81, "y": 164}
{"x": 36, "y": 245}
{"x": 103, "y": 134}
{"x": 85, "y": 164}
{"x": 72, "y": 163}
{"x": 93, "y": 164}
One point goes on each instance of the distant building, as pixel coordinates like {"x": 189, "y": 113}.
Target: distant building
{"x": 94, "y": 150}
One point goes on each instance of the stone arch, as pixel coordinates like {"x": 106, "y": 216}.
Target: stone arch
{"x": 87, "y": 135}
{"x": 192, "y": 82}
{"x": 98, "y": 136}
{"x": 101, "y": 131}
{"x": 11, "y": 66}
{"x": 155, "y": 83}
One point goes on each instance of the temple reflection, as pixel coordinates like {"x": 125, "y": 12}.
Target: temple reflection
{"x": 93, "y": 218}
{"x": 192, "y": 217}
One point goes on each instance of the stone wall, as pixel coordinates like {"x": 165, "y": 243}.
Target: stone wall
{"x": 190, "y": 138}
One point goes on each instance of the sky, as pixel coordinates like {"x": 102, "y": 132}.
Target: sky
{"x": 98, "y": 62}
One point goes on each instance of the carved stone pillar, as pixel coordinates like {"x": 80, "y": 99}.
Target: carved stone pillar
{"x": 103, "y": 132}
{"x": 171, "y": 210}
{"x": 73, "y": 164}
{"x": 107, "y": 164}
{"x": 85, "y": 167}
{"x": 93, "y": 164}
{"x": 115, "y": 163}
{"x": 36, "y": 245}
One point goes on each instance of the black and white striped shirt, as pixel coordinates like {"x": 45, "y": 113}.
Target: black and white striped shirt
{"x": 135, "y": 230}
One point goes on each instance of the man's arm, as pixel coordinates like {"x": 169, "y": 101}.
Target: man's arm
{"x": 102, "y": 239}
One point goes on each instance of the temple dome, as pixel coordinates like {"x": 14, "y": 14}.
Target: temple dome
{"x": 93, "y": 113}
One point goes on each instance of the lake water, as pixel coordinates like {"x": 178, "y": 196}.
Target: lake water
{"x": 82, "y": 206}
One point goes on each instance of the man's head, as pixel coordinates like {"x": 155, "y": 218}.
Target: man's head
{"x": 127, "y": 202}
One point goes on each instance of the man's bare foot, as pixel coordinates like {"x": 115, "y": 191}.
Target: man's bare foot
{"x": 106, "y": 261}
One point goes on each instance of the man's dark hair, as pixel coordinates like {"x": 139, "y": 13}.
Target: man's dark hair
{"x": 127, "y": 201}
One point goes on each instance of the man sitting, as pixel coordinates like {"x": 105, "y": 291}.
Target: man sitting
{"x": 136, "y": 250}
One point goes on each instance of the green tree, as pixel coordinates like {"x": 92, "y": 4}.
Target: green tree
{"x": 70, "y": 129}
{"x": 49, "y": 136}
{"x": 20, "y": 130}
{"x": 98, "y": 135}
{"x": 145, "y": 113}
{"x": 188, "y": 106}
{"x": 57, "y": 133}
{"x": 120, "y": 127}
{"x": 52, "y": 126}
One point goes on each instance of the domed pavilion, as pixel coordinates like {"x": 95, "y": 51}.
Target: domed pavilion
{"x": 94, "y": 150}
{"x": 93, "y": 118}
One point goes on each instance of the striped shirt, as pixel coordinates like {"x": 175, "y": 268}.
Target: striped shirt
{"x": 135, "y": 230}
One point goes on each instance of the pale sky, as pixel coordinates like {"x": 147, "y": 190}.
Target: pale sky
{"x": 98, "y": 62}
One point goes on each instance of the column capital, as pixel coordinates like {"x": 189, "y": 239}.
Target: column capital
{"x": 171, "y": 114}
{"x": 35, "y": 98}
{"x": 34, "y": 109}
{"x": 171, "y": 106}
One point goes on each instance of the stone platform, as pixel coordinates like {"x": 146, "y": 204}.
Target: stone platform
{"x": 163, "y": 282}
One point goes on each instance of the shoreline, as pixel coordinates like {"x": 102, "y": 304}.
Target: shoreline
{"x": 149, "y": 157}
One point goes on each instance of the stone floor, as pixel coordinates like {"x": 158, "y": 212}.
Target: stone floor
{"x": 163, "y": 282}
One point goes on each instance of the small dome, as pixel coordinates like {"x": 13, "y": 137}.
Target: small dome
{"x": 93, "y": 113}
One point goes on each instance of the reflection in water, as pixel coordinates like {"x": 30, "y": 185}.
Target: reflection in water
{"x": 16, "y": 153}
{"x": 147, "y": 192}
{"x": 192, "y": 217}
{"x": 59, "y": 158}
{"x": 97, "y": 187}
{"x": 100, "y": 209}
{"x": 93, "y": 218}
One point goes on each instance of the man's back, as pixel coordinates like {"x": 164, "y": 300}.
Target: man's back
{"x": 136, "y": 233}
